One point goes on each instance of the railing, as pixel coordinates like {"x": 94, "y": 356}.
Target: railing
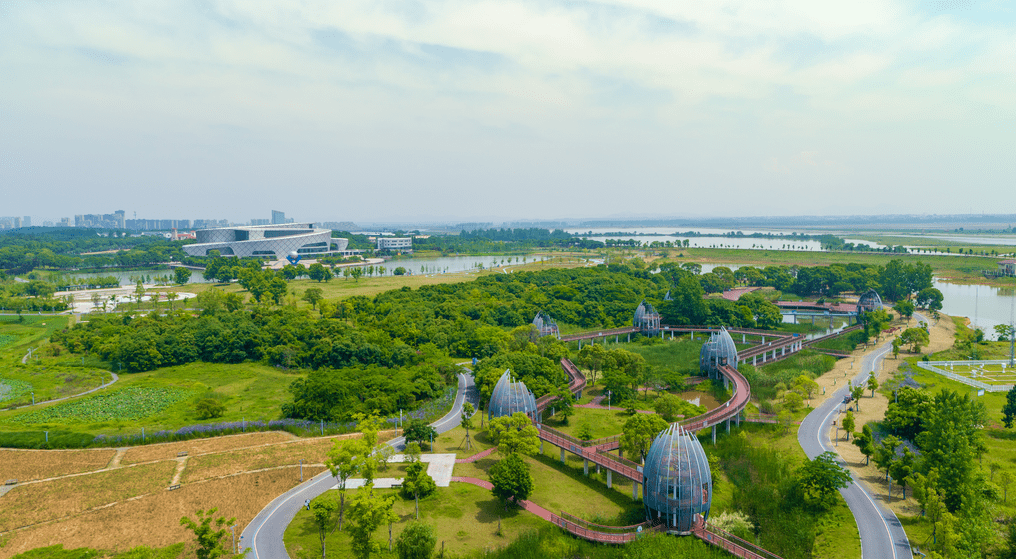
{"x": 729, "y": 542}
{"x": 622, "y": 461}
{"x": 596, "y": 535}
{"x": 603, "y": 527}
{"x": 598, "y": 334}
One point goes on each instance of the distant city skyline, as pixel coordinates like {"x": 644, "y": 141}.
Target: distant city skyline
{"x": 505, "y": 110}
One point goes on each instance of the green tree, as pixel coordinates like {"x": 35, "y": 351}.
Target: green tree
{"x": 872, "y": 384}
{"x": 313, "y": 295}
{"x": 885, "y": 453}
{"x": 901, "y": 468}
{"x": 793, "y": 401}
{"x": 511, "y": 479}
{"x": 950, "y": 439}
{"x": 805, "y": 385}
{"x": 564, "y": 405}
{"x": 592, "y": 357}
{"x": 668, "y": 406}
{"x": 819, "y": 479}
{"x": 638, "y": 433}
{"x": 865, "y": 442}
{"x": 417, "y": 430}
{"x": 210, "y": 533}
{"x": 342, "y": 463}
{"x": 916, "y": 337}
{"x": 412, "y": 452}
{"x": 418, "y": 483}
{"x": 1005, "y": 479}
{"x": 1009, "y": 409}
{"x": 318, "y": 272}
{"x": 856, "y": 393}
{"x": 904, "y": 416}
{"x": 181, "y": 275}
{"x": 905, "y": 308}
{"x": 930, "y": 298}
{"x": 417, "y": 541}
{"x": 848, "y": 424}
{"x": 514, "y": 434}
{"x": 322, "y": 510}
{"x": 209, "y": 408}
{"x": 368, "y": 511}
{"x": 467, "y": 421}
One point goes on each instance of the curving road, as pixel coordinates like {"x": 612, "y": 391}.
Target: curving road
{"x": 263, "y": 536}
{"x": 882, "y": 536}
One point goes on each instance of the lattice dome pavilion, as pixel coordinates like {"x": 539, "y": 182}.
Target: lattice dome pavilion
{"x": 646, "y": 319}
{"x": 545, "y": 326}
{"x": 510, "y": 397}
{"x": 718, "y": 351}
{"x": 678, "y": 484}
{"x": 868, "y": 302}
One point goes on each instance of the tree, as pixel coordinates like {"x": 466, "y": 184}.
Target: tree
{"x": 209, "y": 408}
{"x": 1005, "y": 479}
{"x": 819, "y": 479}
{"x": 467, "y": 421}
{"x": 417, "y": 541}
{"x": 668, "y": 406}
{"x": 1003, "y": 331}
{"x": 322, "y": 510}
{"x": 564, "y": 405}
{"x": 418, "y": 483}
{"x": 139, "y": 293}
{"x": 367, "y": 512}
{"x": 916, "y": 337}
{"x": 1009, "y": 409}
{"x": 209, "y": 533}
{"x": 170, "y": 296}
{"x": 872, "y": 384}
{"x": 905, "y": 308}
{"x": 514, "y": 434}
{"x": 593, "y": 357}
{"x": 356, "y": 272}
{"x": 313, "y": 295}
{"x": 905, "y": 413}
{"x": 865, "y": 442}
{"x": 805, "y": 385}
{"x": 638, "y": 433}
{"x": 885, "y": 453}
{"x": 342, "y": 463}
{"x": 318, "y": 272}
{"x": 511, "y": 479}
{"x": 930, "y": 298}
{"x": 793, "y": 401}
{"x": 901, "y": 468}
{"x": 848, "y": 424}
{"x": 399, "y": 271}
{"x": 181, "y": 275}
{"x": 950, "y": 439}
{"x": 417, "y": 430}
{"x": 856, "y": 393}
{"x": 412, "y": 452}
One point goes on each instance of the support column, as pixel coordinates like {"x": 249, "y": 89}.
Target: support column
{"x": 541, "y": 446}
{"x": 763, "y": 340}
{"x": 742, "y": 339}
{"x": 585, "y": 467}
{"x": 629, "y": 337}
{"x": 562, "y": 456}
{"x": 753, "y": 358}
{"x": 616, "y": 338}
{"x": 739, "y": 419}
{"x": 728, "y": 424}
{"x": 784, "y": 349}
{"x": 597, "y": 469}
{"x": 714, "y": 435}
{"x": 610, "y": 481}
{"x": 634, "y": 490}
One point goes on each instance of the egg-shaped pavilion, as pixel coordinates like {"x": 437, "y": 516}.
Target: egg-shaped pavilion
{"x": 869, "y": 301}
{"x": 678, "y": 484}
{"x": 718, "y": 351}
{"x": 510, "y": 397}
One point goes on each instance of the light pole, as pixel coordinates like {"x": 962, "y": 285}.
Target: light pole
{"x": 608, "y": 400}
{"x": 233, "y": 530}
{"x": 33, "y": 398}
{"x": 301, "y": 470}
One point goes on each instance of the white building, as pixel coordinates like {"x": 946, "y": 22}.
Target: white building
{"x": 399, "y": 244}
{"x": 266, "y": 241}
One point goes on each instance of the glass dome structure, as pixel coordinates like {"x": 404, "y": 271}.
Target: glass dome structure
{"x": 678, "y": 484}
{"x": 719, "y": 350}
{"x": 868, "y": 302}
{"x": 545, "y": 326}
{"x": 646, "y": 319}
{"x": 510, "y": 397}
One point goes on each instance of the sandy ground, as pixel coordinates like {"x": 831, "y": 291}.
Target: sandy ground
{"x": 873, "y": 409}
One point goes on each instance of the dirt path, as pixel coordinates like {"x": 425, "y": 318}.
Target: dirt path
{"x": 114, "y": 462}
{"x": 181, "y": 465}
{"x": 873, "y": 408}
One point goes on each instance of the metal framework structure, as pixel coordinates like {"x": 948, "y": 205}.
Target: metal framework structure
{"x": 510, "y": 397}
{"x": 868, "y": 302}
{"x": 267, "y": 241}
{"x": 545, "y": 326}
{"x": 678, "y": 484}
{"x": 718, "y": 351}
{"x": 646, "y": 320}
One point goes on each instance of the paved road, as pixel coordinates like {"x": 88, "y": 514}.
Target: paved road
{"x": 263, "y": 535}
{"x": 882, "y": 536}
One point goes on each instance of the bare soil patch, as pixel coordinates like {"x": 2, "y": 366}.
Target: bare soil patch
{"x": 205, "y": 466}
{"x": 154, "y": 519}
{"x": 50, "y": 500}
{"x": 27, "y": 465}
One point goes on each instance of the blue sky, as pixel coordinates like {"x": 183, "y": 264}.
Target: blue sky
{"x": 491, "y": 109}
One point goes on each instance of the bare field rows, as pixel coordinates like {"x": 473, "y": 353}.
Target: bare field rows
{"x": 27, "y": 465}
{"x": 49, "y": 500}
{"x": 154, "y": 519}
{"x": 166, "y": 451}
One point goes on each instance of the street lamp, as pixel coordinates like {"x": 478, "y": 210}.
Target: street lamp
{"x": 608, "y": 400}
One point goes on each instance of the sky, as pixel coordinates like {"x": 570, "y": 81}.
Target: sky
{"x": 460, "y": 110}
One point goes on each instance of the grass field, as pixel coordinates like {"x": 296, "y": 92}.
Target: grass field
{"x": 162, "y": 399}
{"x": 26, "y": 465}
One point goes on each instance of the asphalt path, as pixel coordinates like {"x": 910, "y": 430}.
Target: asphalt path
{"x": 263, "y": 536}
{"x": 882, "y": 536}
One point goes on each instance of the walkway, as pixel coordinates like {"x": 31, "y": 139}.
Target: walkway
{"x": 113, "y": 378}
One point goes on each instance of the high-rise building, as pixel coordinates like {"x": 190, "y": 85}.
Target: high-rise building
{"x": 256, "y": 221}
{"x": 26, "y": 221}
{"x": 278, "y": 217}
